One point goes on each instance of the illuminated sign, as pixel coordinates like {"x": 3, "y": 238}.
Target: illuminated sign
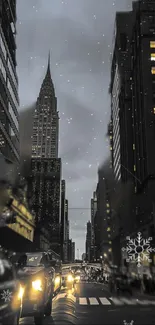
{"x": 23, "y": 228}
{"x": 24, "y": 225}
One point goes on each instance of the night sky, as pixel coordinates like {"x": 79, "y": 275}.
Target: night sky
{"x": 79, "y": 34}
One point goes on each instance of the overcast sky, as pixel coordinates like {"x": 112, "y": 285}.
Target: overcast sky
{"x": 79, "y": 35}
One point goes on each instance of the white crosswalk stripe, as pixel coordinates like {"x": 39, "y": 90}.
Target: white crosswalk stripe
{"x": 104, "y": 301}
{"x": 83, "y": 301}
{"x": 93, "y": 301}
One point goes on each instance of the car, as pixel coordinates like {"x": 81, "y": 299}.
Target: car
{"x": 10, "y": 298}
{"x": 68, "y": 278}
{"x": 37, "y": 281}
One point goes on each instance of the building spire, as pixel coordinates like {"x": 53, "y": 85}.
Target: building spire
{"x": 49, "y": 60}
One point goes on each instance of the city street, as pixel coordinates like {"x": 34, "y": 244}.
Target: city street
{"x": 91, "y": 303}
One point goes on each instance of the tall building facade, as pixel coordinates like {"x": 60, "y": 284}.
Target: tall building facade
{"x": 132, "y": 114}
{"x": 46, "y": 121}
{"x": 46, "y": 168}
{"x": 102, "y": 222}
{"x": 9, "y": 102}
{"x": 93, "y": 212}
{"x": 46, "y": 189}
{"x": 88, "y": 242}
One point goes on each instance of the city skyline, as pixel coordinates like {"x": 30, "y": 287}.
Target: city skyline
{"x": 78, "y": 102}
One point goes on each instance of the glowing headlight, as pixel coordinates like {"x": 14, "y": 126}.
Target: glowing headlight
{"x": 37, "y": 285}
{"x": 57, "y": 280}
{"x": 70, "y": 278}
{"x": 77, "y": 278}
{"x": 21, "y": 292}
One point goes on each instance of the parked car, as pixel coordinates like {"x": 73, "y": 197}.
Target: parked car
{"x": 37, "y": 280}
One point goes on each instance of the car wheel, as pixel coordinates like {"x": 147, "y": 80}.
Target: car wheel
{"x": 14, "y": 320}
{"x": 48, "y": 308}
{"x": 38, "y": 320}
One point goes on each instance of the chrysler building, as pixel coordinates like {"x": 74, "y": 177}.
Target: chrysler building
{"x": 46, "y": 121}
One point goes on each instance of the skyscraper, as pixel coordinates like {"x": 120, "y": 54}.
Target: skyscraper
{"x": 88, "y": 241}
{"x": 132, "y": 114}
{"x": 46, "y": 167}
{"x": 93, "y": 212}
{"x": 9, "y": 102}
{"x": 46, "y": 121}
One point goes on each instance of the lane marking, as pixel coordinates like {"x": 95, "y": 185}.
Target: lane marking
{"x": 83, "y": 301}
{"x": 93, "y": 301}
{"x": 105, "y": 301}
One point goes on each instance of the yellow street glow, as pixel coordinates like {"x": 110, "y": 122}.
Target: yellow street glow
{"x": 37, "y": 285}
{"x": 70, "y": 278}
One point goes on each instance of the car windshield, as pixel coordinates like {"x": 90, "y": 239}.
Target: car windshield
{"x": 33, "y": 259}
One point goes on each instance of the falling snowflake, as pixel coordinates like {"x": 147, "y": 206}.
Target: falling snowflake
{"x": 6, "y": 295}
{"x": 138, "y": 249}
{"x": 130, "y": 323}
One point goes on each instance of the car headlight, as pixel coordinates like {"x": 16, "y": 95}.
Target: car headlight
{"x": 70, "y": 278}
{"x": 77, "y": 278}
{"x": 21, "y": 292}
{"x": 57, "y": 280}
{"x": 37, "y": 285}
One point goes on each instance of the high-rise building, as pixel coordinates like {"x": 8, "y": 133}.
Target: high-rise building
{"x": 132, "y": 112}
{"x": 102, "y": 221}
{"x": 46, "y": 189}
{"x": 9, "y": 102}
{"x": 93, "y": 212}
{"x": 46, "y": 121}
{"x": 46, "y": 167}
{"x": 64, "y": 220}
{"x": 88, "y": 242}
{"x": 73, "y": 252}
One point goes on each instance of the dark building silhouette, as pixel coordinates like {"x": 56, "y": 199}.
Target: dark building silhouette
{"x": 93, "y": 212}
{"x": 88, "y": 242}
{"x": 71, "y": 251}
{"x": 132, "y": 116}
{"x": 9, "y": 102}
{"x": 102, "y": 221}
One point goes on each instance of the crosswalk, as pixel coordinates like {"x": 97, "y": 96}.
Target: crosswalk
{"x": 104, "y": 301}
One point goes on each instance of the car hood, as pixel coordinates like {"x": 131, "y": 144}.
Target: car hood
{"x": 29, "y": 271}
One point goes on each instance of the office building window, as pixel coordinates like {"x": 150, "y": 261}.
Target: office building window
{"x": 152, "y": 44}
{"x": 152, "y": 56}
{"x": 153, "y": 70}
{"x": 153, "y": 110}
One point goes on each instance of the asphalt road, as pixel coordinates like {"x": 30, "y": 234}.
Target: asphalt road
{"x": 92, "y": 303}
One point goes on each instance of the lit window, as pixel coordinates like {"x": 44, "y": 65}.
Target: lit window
{"x": 152, "y": 44}
{"x": 110, "y": 250}
{"x": 108, "y": 211}
{"x": 153, "y": 70}
{"x": 111, "y": 148}
{"x": 110, "y": 242}
{"x": 107, "y": 205}
{"x": 134, "y": 168}
{"x": 153, "y": 110}
{"x": 133, "y": 146}
{"x": 108, "y": 229}
{"x": 110, "y": 137}
{"x": 152, "y": 56}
